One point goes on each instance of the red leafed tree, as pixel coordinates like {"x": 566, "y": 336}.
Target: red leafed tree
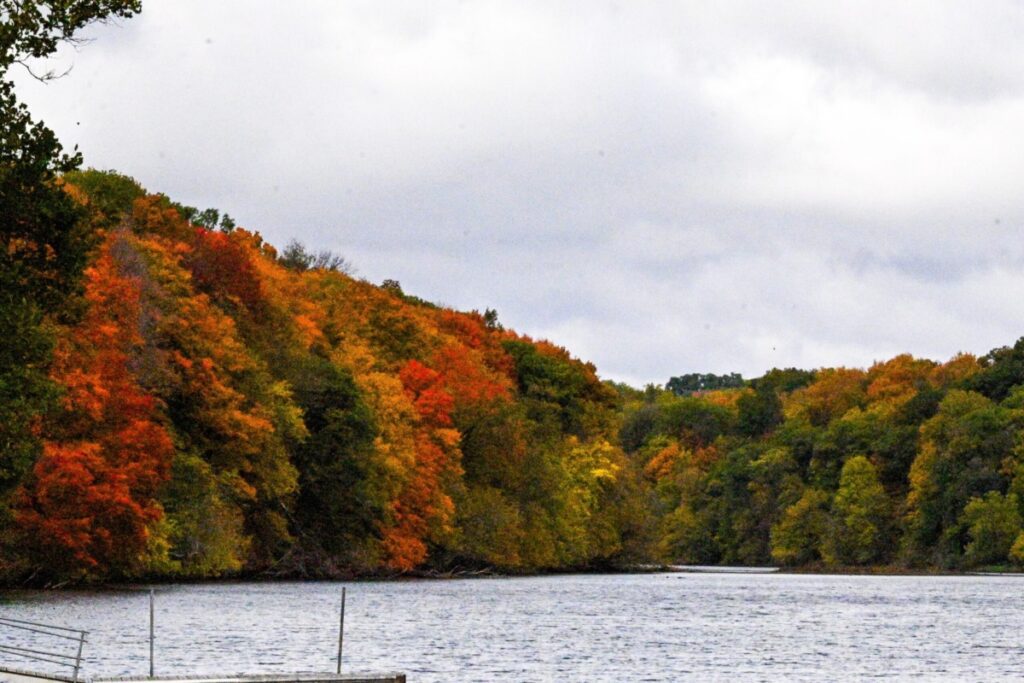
{"x": 467, "y": 379}
{"x": 424, "y": 509}
{"x": 425, "y": 387}
{"x": 472, "y": 331}
{"x": 222, "y": 266}
{"x": 90, "y": 503}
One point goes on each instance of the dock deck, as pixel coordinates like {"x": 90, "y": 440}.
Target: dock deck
{"x": 8, "y": 675}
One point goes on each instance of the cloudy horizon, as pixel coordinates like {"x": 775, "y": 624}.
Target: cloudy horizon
{"x": 662, "y": 188}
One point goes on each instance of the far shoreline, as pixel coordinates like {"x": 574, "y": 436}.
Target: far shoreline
{"x": 432, "y": 576}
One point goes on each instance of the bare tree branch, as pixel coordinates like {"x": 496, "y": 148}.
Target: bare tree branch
{"x": 45, "y": 77}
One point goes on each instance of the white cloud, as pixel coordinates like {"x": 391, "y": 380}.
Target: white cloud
{"x": 662, "y": 187}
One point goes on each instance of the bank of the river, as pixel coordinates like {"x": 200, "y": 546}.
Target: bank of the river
{"x": 485, "y": 573}
{"x": 896, "y": 570}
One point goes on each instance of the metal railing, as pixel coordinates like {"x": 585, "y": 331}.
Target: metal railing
{"x": 52, "y": 656}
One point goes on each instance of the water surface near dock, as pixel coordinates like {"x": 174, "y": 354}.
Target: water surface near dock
{"x": 646, "y": 627}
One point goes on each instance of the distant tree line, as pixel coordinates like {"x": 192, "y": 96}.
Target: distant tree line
{"x": 695, "y": 381}
{"x": 910, "y": 463}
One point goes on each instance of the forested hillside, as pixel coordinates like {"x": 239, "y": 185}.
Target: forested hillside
{"x": 228, "y": 408}
{"x": 910, "y": 463}
{"x": 224, "y": 408}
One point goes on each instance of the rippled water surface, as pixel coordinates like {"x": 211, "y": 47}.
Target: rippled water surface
{"x": 653, "y": 627}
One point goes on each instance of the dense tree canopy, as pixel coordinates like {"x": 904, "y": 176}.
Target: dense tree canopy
{"x": 225, "y": 410}
{"x": 910, "y": 462}
{"x": 230, "y": 410}
{"x": 44, "y": 239}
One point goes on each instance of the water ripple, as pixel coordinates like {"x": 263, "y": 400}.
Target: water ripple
{"x": 653, "y": 627}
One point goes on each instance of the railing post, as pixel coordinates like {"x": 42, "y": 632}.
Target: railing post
{"x": 78, "y": 655}
{"x": 151, "y": 620}
{"x": 341, "y": 628}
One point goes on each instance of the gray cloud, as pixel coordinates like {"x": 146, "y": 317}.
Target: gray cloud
{"x": 661, "y": 187}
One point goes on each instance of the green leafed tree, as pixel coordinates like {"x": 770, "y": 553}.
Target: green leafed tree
{"x": 963, "y": 448}
{"x": 993, "y": 524}
{"x": 860, "y": 516}
{"x": 336, "y": 513}
{"x": 797, "y": 538}
{"x": 1002, "y": 369}
{"x": 490, "y": 527}
{"x": 684, "y": 385}
{"x": 759, "y": 412}
{"x": 1017, "y": 550}
{"x": 110, "y": 194}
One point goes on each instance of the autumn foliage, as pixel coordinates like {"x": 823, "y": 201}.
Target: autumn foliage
{"x": 92, "y": 498}
{"x": 227, "y": 409}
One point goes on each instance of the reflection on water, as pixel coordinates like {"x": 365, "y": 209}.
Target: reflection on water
{"x": 654, "y": 627}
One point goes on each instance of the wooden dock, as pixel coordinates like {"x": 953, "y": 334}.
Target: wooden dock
{"x": 268, "y": 678}
{"x": 64, "y": 649}
{"x": 20, "y": 676}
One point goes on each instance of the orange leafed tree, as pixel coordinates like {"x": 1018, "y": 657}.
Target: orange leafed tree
{"x": 424, "y": 509}
{"x": 222, "y": 265}
{"x": 896, "y": 380}
{"x": 472, "y": 331}
{"x": 229, "y": 412}
{"x": 89, "y": 505}
{"x": 468, "y": 380}
{"x": 830, "y": 396}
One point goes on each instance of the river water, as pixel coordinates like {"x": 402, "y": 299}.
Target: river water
{"x": 649, "y": 627}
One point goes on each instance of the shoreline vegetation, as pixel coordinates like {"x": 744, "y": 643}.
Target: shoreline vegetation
{"x": 181, "y": 400}
{"x": 492, "y": 573}
{"x": 225, "y": 409}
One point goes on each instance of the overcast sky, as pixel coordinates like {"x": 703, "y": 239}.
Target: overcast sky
{"x": 660, "y": 187}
